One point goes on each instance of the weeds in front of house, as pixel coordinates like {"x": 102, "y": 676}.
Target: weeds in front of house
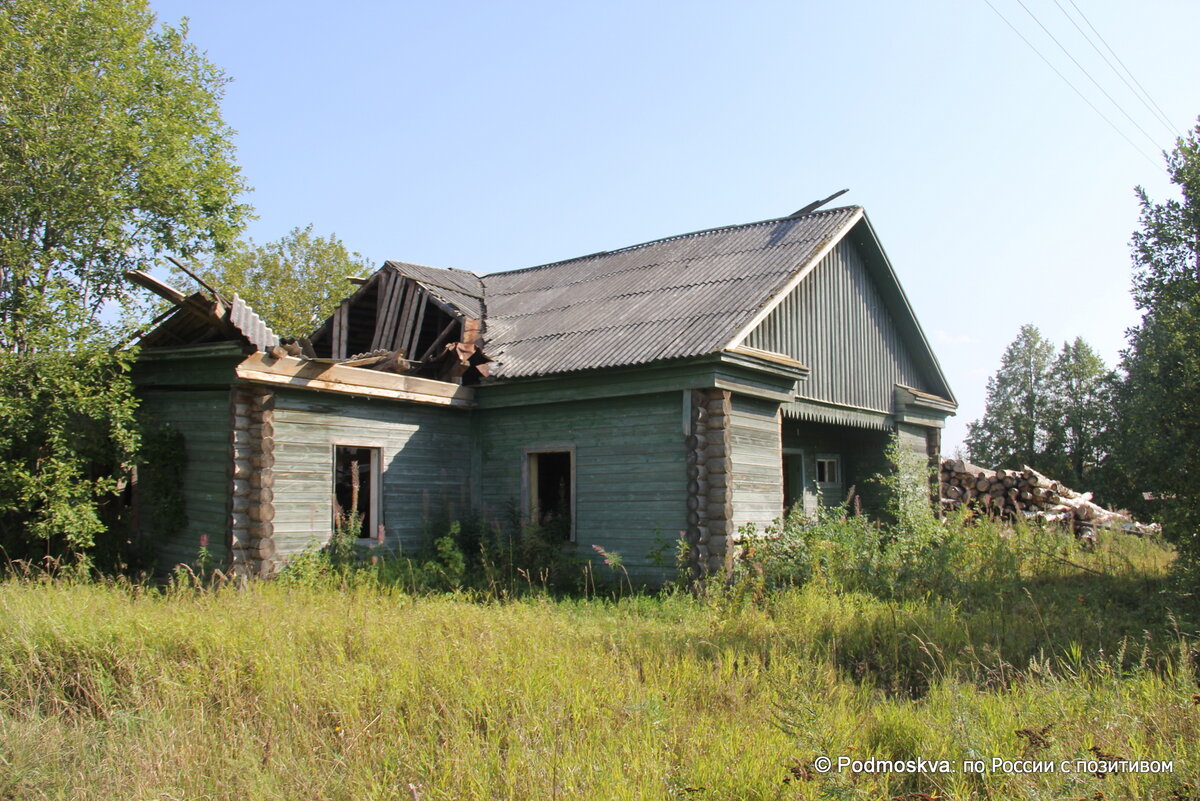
{"x": 461, "y": 672}
{"x": 120, "y": 690}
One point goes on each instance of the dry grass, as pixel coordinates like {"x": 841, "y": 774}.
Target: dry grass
{"x": 315, "y": 693}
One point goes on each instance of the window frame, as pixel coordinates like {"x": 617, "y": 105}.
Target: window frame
{"x": 529, "y": 484}
{"x": 836, "y": 459}
{"x": 375, "y": 509}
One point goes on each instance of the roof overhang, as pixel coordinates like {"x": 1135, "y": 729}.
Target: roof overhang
{"x": 747, "y": 372}
{"x": 922, "y": 408}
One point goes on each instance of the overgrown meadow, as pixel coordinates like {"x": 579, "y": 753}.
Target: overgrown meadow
{"x": 964, "y": 640}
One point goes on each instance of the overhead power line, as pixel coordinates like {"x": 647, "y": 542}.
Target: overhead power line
{"x": 1143, "y": 95}
{"x": 1074, "y": 88}
{"x": 1087, "y": 74}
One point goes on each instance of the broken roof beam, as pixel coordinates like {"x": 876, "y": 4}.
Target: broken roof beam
{"x": 147, "y": 281}
{"x": 442, "y": 338}
{"x": 386, "y": 301}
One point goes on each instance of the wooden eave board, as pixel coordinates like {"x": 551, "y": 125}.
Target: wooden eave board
{"x": 289, "y": 371}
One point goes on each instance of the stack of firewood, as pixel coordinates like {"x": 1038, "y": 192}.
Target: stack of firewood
{"x": 1027, "y": 493}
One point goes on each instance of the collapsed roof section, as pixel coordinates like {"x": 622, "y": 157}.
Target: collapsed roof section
{"x": 405, "y": 319}
{"x": 409, "y": 318}
{"x": 200, "y": 319}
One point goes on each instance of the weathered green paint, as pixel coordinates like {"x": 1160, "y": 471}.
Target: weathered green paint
{"x": 203, "y": 418}
{"x": 630, "y": 475}
{"x": 913, "y": 438}
{"x": 860, "y": 453}
{"x": 187, "y": 366}
{"x": 425, "y": 468}
{"x": 838, "y": 323}
{"x": 718, "y": 369}
{"x": 626, "y": 429}
{"x": 757, "y": 478}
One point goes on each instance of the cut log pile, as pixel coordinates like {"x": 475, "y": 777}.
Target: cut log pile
{"x": 1028, "y": 493}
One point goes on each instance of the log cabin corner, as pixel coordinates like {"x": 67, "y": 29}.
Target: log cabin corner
{"x": 681, "y": 387}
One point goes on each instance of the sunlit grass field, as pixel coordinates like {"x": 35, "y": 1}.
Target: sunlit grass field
{"x": 361, "y": 691}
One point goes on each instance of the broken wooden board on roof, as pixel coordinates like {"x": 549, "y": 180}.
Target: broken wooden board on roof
{"x": 409, "y": 319}
{"x": 200, "y": 318}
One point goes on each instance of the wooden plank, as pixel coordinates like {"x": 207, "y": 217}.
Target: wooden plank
{"x": 407, "y": 311}
{"x": 395, "y": 298}
{"x": 147, "y": 281}
{"x": 630, "y": 481}
{"x": 290, "y": 371}
{"x": 336, "y": 334}
{"x": 339, "y": 331}
{"x": 414, "y": 333}
{"x": 382, "y": 299}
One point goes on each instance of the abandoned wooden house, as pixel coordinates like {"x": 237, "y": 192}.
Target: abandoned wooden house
{"x": 684, "y": 386}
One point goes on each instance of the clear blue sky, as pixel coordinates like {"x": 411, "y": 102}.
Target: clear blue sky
{"x": 494, "y": 135}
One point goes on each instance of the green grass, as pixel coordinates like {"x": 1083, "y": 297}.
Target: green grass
{"x": 320, "y": 692}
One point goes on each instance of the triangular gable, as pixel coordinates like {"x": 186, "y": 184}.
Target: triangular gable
{"x": 845, "y": 315}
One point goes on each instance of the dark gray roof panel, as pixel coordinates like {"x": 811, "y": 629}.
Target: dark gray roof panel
{"x": 683, "y": 296}
{"x": 459, "y": 288}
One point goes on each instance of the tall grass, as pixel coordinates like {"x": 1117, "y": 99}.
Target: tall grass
{"x": 365, "y": 691}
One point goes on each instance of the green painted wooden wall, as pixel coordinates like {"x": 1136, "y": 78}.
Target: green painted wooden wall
{"x": 861, "y": 453}
{"x": 630, "y": 474}
{"x": 757, "y": 461}
{"x": 426, "y": 454}
{"x": 837, "y": 322}
{"x": 203, "y": 418}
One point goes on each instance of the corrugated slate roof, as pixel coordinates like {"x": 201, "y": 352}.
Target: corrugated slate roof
{"x": 672, "y": 298}
{"x": 459, "y": 288}
{"x": 252, "y": 327}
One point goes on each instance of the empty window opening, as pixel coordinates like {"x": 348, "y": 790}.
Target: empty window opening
{"x": 828, "y": 470}
{"x": 551, "y": 488}
{"x": 356, "y": 489}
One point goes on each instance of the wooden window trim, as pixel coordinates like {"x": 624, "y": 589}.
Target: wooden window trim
{"x": 837, "y": 466}
{"x": 529, "y": 484}
{"x": 375, "y": 512}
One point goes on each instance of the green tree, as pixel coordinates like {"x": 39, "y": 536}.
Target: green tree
{"x": 1159, "y": 398}
{"x": 294, "y": 283}
{"x": 112, "y": 151}
{"x": 1079, "y": 386}
{"x": 1014, "y": 429}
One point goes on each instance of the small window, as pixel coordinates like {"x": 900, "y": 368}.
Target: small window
{"x": 828, "y": 470}
{"x": 551, "y": 492}
{"x": 356, "y": 487}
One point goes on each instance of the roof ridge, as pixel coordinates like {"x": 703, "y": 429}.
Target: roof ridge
{"x": 701, "y": 232}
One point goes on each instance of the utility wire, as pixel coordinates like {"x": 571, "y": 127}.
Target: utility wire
{"x": 1162, "y": 115}
{"x": 1074, "y": 88}
{"x": 1167, "y": 123}
{"x": 1084, "y": 70}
